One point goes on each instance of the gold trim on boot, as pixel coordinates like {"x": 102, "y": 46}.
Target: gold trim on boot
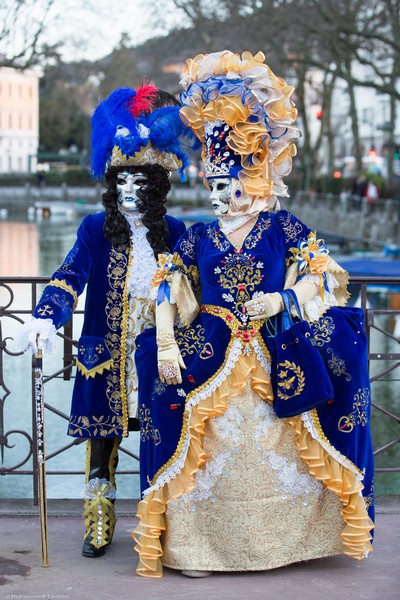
{"x": 100, "y": 493}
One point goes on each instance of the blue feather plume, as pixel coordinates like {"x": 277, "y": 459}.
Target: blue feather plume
{"x": 108, "y": 115}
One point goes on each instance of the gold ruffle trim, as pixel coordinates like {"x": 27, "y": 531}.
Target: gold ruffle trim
{"x": 151, "y": 510}
{"x": 262, "y": 167}
{"x": 95, "y": 370}
{"x": 60, "y": 283}
{"x": 356, "y": 535}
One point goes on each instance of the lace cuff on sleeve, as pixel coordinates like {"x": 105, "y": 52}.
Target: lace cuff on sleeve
{"x": 26, "y": 340}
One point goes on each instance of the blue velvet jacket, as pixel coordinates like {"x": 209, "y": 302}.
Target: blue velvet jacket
{"x": 99, "y": 407}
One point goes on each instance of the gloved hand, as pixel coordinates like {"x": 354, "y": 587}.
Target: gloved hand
{"x": 265, "y": 306}
{"x": 169, "y": 359}
{"x": 269, "y": 305}
{"x": 170, "y": 363}
{"x": 36, "y": 334}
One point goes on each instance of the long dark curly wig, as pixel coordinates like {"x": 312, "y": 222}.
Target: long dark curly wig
{"x": 116, "y": 227}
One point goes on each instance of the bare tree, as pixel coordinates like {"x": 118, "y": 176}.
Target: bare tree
{"x": 23, "y": 25}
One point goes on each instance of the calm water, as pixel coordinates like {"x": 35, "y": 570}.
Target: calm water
{"x": 37, "y": 248}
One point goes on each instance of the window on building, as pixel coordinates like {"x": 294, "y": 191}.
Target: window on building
{"x": 10, "y": 120}
{"x": 20, "y": 122}
{"x": 10, "y": 89}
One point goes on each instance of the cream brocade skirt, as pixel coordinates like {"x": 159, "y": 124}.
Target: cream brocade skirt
{"x": 254, "y": 505}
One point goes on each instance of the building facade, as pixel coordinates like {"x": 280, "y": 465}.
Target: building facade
{"x": 19, "y": 120}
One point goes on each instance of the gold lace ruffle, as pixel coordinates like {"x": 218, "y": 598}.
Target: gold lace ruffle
{"x": 356, "y": 535}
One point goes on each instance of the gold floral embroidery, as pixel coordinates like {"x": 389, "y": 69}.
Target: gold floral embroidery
{"x": 239, "y": 275}
{"x": 147, "y": 429}
{"x": 337, "y": 365}
{"x": 359, "y": 416}
{"x": 94, "y": 426}
{"x": 190, "y": 339}
{"x": 322, "y": 330}
{"x": 117, "y": 318}
{"x": 291, "y": 380}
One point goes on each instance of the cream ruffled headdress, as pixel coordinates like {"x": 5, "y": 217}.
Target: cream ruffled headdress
{"x": 223, "y": 89}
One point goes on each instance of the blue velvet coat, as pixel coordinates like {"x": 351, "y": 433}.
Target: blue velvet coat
{"x": 228, "y": 278}
{"x": 98, "y": 404}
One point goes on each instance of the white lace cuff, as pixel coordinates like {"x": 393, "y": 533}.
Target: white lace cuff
{"x": 316, "y": 307}
{"x": 44, "y": 328}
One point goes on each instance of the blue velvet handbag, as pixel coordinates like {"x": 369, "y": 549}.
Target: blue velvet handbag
{"x": 300, "y": 380}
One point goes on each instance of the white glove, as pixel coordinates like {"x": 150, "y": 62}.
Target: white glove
{"x": 269, "y": 305}
{"x": 36, "y": 334}
{"x": 169, "y": 359}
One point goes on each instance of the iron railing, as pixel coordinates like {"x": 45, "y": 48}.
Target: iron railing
{"x": 10, "y": 311}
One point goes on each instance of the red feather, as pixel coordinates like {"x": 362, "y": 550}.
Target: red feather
{"x": 143, "y": 100}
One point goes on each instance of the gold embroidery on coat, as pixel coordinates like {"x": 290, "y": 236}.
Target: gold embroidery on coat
{"x": 239, "y": 276}
{"x": 117, "y": 318}
{"x": 97, "y": 426}
{"x": 322, "y": 330}
{"x": 190, "y": 339}
{"x": 291, "y": 229}
{"x": 359, "y": 416}
{"x": 337, "y": 365}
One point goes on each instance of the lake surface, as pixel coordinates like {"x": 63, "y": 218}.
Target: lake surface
{"x": 33, "y": 248}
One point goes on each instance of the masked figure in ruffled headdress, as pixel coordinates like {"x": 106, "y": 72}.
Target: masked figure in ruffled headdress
{"x": 232, "y": 486}
{"x": 137, "y": 138}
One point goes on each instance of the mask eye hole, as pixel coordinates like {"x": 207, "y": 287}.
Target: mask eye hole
{"x": 221, "y": 186}
{"x": 121, "y": 180}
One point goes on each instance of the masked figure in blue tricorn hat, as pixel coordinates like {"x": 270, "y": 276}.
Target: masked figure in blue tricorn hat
{"x": 137, "y": 140}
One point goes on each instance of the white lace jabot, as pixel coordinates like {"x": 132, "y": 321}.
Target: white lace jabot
{"x": 143, "y": 264}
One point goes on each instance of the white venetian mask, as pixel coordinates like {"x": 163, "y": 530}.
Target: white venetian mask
{"x": 221, "y": 189}
{"x": 130, "y": 188}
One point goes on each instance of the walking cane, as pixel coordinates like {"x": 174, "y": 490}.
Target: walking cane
{"x": 41, "y": 458}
